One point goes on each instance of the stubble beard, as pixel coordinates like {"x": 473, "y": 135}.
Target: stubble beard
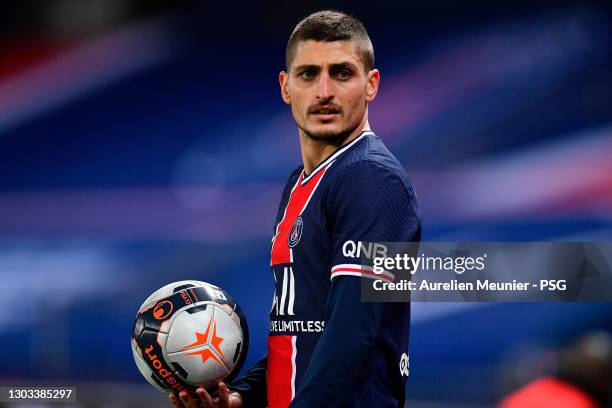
{"x": 330, "y": 137}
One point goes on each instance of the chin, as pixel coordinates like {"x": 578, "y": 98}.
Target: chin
{"x": 323, "y": 133}
{"x": 327, "y": 133}
{"x": 329, "y": 128}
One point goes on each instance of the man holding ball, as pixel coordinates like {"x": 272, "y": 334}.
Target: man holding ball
{"x": 327, "y": 348}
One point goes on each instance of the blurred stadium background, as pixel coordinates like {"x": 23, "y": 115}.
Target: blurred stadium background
{"x": 143, "y": 142}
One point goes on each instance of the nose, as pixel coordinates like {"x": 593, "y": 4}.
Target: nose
{"x": 325, "y": 90}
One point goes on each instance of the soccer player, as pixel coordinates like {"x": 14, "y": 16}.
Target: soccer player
{"x": 327, "y": 348}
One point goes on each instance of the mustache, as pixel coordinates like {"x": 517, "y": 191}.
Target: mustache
{"x": 327, "y": 108}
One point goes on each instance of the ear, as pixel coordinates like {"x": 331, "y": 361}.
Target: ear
{"x": 283, "y": 78}
{"x": 372, "y": 85}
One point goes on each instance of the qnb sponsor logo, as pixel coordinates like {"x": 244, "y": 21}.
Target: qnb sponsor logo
{"x": 352, "y": 249}
{"x": 162, "y": 372}
{"x": 284, "y": 304}
{"x": 162, "y": 309}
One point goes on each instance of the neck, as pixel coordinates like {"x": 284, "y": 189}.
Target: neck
{"x": 315, "y": 151}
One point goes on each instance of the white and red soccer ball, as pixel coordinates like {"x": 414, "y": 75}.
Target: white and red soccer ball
{"x": 189, "y": 334}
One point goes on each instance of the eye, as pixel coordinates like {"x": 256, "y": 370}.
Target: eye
{"x": 307, "y": 74}
{"x": 343, "y": 74}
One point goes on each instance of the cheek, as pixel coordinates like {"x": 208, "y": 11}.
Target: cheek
{"x": 355, "y": 96}
{"x": 298, "y": 103}
{"x": 298, "y": 107}
{"x": 297, "y": 113}
{"x": 355, "y": 103}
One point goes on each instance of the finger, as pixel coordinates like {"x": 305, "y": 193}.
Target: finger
{"x": 205, "y": 397}
{"x": 187, "y": 400}
{"x": 174, "y": 400}
{"x": 223, "y": 395}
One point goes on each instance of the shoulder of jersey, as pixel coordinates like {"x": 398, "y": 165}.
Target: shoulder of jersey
{"x": 369, "y": 153}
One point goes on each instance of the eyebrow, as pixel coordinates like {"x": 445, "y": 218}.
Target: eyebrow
{"x": 335, "y": 66}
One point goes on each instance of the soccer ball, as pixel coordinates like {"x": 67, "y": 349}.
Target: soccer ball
{"x": 189, "y": 334}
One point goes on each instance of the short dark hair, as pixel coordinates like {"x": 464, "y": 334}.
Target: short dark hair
{"x": 332, "y": 25}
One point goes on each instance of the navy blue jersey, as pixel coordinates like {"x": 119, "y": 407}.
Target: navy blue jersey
{"x": 326, "y": 347}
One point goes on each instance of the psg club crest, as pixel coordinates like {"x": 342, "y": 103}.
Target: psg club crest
{"x": 296, "y": 232}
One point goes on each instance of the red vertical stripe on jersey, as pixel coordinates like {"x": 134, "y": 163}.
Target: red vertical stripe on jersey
{"x": 281, "y": 253}
{"x": 280, "y": 371}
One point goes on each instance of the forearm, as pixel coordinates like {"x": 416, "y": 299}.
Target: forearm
{"x": 343, "y": 351}
{"x": 252, "y": 385}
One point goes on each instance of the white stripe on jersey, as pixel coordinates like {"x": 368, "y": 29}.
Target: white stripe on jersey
{"x": 361, "y": 271}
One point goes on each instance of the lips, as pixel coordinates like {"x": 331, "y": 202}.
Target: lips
{"x": 325, "y": 110}
{"x": 324, "y": 117}
{"x": 325, "y": 113}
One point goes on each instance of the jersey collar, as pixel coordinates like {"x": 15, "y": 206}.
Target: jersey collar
{"x": 334, "y": 156}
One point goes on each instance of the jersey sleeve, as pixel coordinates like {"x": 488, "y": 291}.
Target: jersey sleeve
{"x": 252, "y": 385}
{"x": 342, "y": 353}
{"x": 369, "y": 204}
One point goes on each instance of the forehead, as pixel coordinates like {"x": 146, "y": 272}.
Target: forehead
{"x": 312, "y": 52}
